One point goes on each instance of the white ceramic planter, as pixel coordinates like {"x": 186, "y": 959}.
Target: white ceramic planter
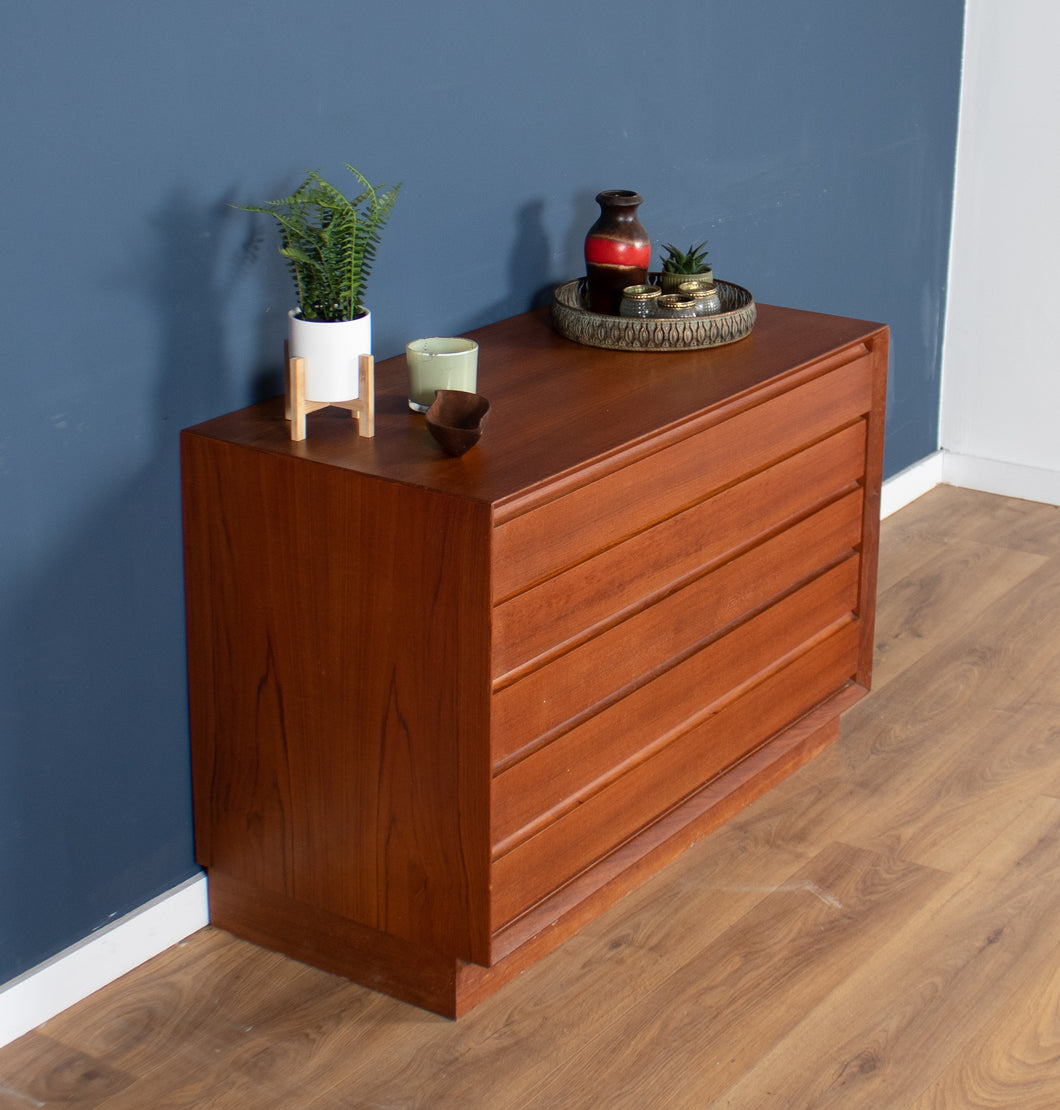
{"x": 332, "y": 352}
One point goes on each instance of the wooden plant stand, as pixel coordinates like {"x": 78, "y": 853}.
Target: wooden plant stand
{"x": 362, "y": 407}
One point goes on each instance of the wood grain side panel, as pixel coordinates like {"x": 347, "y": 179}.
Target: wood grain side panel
{"x": 582, "y": 681}
{"x": 561, "y": 776}
{"x": 568, "y": 607}
{"x": 645, "y": 488}
{"x": 614, "y": 818}
{"x": 338, "y": 664}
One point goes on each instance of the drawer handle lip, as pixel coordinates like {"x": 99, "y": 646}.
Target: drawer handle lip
{"x": 696, "y": 502}
{"x": 557, "y": 651}
{"x": 585, "y": 473}
{"x": 520, "y": 836}
{"x": 544, "y": 739}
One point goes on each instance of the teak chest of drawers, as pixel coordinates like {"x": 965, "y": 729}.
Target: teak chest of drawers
{"x": 445, "y": 711}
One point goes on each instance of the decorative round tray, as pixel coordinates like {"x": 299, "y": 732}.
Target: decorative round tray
{"x": 572, "y": 319}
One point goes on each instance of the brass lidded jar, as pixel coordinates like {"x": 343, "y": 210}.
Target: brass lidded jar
{"x": 676, "y": 306}
{"x": 639, "y": 300}
{"x": 707, "y": 298}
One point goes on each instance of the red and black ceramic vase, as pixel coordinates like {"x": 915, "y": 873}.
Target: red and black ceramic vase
{"x": 617, "y": 250}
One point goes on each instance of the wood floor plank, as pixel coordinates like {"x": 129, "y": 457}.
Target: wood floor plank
{"x": 706, "y": 1024}
{"x": 1013, "y": 1062}
{"x": 943, "y": 820}
{"x": 951, "y": 748}
{"x": 151, "y": 1006}
{"x": 802, "y": 814}
{"x": 184, "y": 1028}
{"x": 937, "y": 584}
{"x": 949, "y": 514}
{"x": 890, "y": 1030}
{"x": 946, "y": 594}
{"x": 939, "y": 801}
{"x": 1010, "y": 522}
{"x": 903, "y": 551}
{"x": 38, "y": 1071}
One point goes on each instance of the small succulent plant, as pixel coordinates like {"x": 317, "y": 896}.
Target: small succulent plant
{"x": 691, "y": 261}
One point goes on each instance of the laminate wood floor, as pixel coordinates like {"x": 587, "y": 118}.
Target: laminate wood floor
{"x": 880, "y": 931}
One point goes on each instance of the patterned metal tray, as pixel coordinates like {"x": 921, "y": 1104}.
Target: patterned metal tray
{"x": 572, "y": 319}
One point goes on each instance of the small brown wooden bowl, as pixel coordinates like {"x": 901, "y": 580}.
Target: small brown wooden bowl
{"x": 456, "y": 419}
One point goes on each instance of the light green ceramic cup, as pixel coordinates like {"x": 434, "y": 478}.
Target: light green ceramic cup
{"x": 440, "y": 364}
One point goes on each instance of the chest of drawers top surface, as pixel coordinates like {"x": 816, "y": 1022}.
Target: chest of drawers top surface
{"x": 556, "y": 405}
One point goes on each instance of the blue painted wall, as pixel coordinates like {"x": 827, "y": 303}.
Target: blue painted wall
{"x": 811, "y": 142}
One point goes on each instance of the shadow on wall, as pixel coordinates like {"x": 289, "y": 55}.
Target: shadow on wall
{"x": 95, "y": 798}
{"x": 529, "y": 263}
{"x": 531, "y": 280}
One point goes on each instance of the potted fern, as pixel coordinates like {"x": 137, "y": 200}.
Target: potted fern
{"x": 329, "y": 242}
{"x": 681, "y": 266}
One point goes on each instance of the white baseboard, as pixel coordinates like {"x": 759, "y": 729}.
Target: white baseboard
{"x": 948, "y": 468}
{"x": 905, "y": 487}
{"x": 99, "y": 959}
{"x": 1030, "y": 483}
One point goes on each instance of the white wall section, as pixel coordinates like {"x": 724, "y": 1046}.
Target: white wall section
{"x": 1001, "y": 361}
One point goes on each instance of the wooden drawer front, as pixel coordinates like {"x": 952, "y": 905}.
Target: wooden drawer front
{"x": 541, "y": 789}
{"x": 649, "y": 488}
{"x": 670, "y": 774}
{"x": 551, "y": 699}
{"x": 562, "y": 610}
